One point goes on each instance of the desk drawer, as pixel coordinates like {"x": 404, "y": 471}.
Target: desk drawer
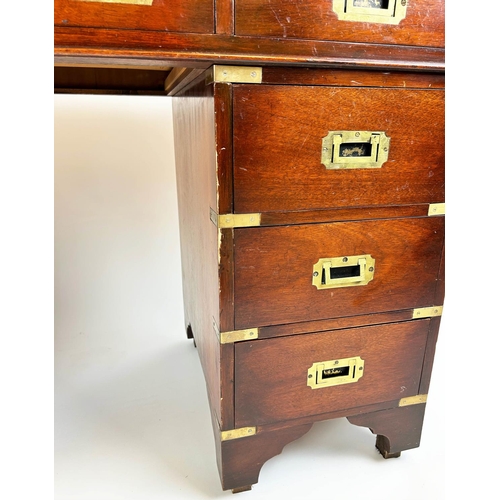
{"x": 274, "y": 378}
{"x": 421, "y": 22}
{"x": 274, "y": 267}
{"x": 159, "y": 15}
{"x": 281, "y": 132}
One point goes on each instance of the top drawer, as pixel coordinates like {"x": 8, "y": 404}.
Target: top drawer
{"x": 400, "y": 22}
{"x": 161, "y": 15}
{"x": 289, "y": 139}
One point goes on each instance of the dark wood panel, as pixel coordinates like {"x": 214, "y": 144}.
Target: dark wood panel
{"x": 194, "y": 134}
{"x": 195, "y": 16}
{"x": 224, "y": 15}
{"x": 334, "y": 324}
{"x": 342, "y": 214}
{"x": 98, "y": 46}
{"x": 351, "y": 78}
{"x": 430, "y": 352}
{"x": 240, "y": 460}
{"x": 397, "y": 429}
{"x": 278, "y": 132}
{"x": 114, "y": 80}
{"x": 271, "y": 375}
{"x": 315, "y": 19}
{"x": 274, "y": 266}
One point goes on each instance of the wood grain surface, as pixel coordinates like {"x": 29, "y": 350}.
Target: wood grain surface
{"x": 315, "y": 20}
{"x": 278, "y": 132}
{"x": 91, "y": 46}
{"x": 274, "y": 266}
{"x": 271, "y": 375}
{"x": 195, "y": 16}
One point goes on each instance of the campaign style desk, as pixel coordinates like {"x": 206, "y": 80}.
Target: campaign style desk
{"x": 309, "y": 141}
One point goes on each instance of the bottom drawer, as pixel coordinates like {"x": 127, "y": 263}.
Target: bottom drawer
{"x": 303, "y": 375}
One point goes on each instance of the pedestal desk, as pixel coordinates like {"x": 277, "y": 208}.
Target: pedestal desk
{"x": 309, "y": 142}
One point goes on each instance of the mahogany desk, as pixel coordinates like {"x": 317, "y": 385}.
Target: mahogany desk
{"x": 310, "y": 169}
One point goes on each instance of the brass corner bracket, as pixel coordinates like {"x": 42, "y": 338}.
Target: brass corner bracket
{"x": 238, "y": 335}
{"x": 235, "y": 335}
{"x": 427, "y": 312}
{"x": 234, "y": 74}
{"x": 238, "y": 433}
{"x": 230, "y": 221}
{"x": 436, "y": 209}
{"x": 413, "y": 400}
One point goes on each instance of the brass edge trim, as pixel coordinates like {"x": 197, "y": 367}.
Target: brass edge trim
{"x": 436, "y": 209}
{"x": 234, "y": 74}
{"x": 238, "y": 335}
{"x": 427, "y": 312}
{"x": 229, "y": 221}
{"x": 413, "y": 400}
{"x": 238, "y": 433}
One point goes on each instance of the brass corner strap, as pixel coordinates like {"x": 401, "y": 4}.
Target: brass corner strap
{"x": 238, "y": 335}
{"x": 427, "y": 312}
{"x": 234, "y": 74}
{"x": 413, "y": 400}
{"x": 238, "y": 433}
{"x": 230, "y": 221}
{"x": 436, "y": 209}
{"x": 235, "y": 335}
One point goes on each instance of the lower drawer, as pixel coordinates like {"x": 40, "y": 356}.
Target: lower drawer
{"x": 293, "y": 377}
{"x": 275, "y": 267}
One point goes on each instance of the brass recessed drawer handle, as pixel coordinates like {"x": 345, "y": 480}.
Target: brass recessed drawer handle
{"x": 370, "y": 11}
{"x": 354, "y": 149}
{"x": 335, "y": 372}
{"x": 339, "y": 272}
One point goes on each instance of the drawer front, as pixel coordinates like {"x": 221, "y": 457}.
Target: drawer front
{"x": 274, "y": 267}
{"x": 359, "y": 20}
{"x": 161, "y": 15}
{"x": 272, "y": 380}
{"x": 279, "y": 147}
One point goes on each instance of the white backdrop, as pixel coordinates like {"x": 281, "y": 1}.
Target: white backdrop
{"x": 131, "y": 412}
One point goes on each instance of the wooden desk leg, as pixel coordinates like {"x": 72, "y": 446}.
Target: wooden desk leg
{"x": 397, "y": 429}
{"x": 240, "y": 460}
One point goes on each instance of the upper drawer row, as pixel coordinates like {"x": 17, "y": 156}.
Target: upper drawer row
{"x": 315, "y": 147}
{"x": 401, "y": 22}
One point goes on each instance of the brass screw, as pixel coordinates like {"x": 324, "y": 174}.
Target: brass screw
{"x": 253, "y": 74}
{"x": 403, "y": 2}
{"x": 345, "y": 259}
{"x": 370, "y": 269}
{"x": 315, "y": 273}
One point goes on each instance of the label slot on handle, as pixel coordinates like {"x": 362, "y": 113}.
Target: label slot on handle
{"x": 335, "y": 372}
{"x": 339, "y": 272}
{"x": 370, "y": 11}
{"x": 354, "y": 149}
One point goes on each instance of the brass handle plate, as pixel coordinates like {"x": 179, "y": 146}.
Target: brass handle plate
{"x": 339, "y": 272}
{"x": 355, "y": 149}
{"x": 335, "y": 372}
{"x": 370, "y": 11}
